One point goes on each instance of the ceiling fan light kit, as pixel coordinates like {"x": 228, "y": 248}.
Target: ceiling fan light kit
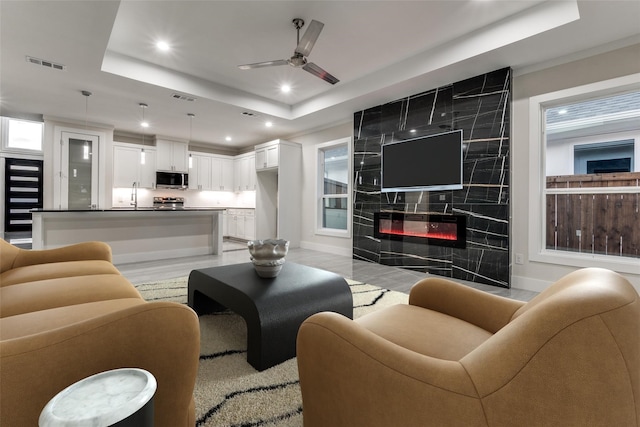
{"x": 303, "y": 49}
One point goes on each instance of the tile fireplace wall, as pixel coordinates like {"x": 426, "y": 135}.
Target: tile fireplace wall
{"x": 481, "y": 107}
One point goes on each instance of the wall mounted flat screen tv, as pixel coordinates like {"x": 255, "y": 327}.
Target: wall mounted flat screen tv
{"x": 428, "y": 163}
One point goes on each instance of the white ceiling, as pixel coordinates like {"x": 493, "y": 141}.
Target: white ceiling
{"x": 380, "y": 51}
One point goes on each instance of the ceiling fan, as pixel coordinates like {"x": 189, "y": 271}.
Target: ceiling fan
{"x": 299, "y": 58}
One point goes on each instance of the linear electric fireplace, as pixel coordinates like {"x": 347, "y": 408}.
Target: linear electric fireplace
{"x": 442, "y": 230}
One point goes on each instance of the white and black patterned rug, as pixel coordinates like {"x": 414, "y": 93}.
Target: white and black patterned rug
{"x": 229, "y": 391}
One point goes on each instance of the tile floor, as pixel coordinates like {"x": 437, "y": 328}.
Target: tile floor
{"x": 234, "y": 252}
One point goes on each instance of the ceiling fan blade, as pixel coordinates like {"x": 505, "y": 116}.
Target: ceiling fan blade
{"x": 309, "y": 38}
{"x": 264, "y": 64}
{"x": 319, "y": 72}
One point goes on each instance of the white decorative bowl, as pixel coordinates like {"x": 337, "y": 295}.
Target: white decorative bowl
{"x": 268, "y": 255}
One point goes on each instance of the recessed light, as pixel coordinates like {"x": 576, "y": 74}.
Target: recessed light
{"x": 144, "y": 124}
{"x": 162, "y": 45}
{"x": 228, "y": 138}
{"x": 285, "y": 88}
{"x": 268, "y": 124}
{"x": 412, "y": 131}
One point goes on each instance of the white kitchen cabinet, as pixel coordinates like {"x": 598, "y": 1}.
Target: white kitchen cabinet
{"x": 232, "y": 224}
{"x": 225, "y": 224}
{"x": 200, "y": 172}
{"x": 128, "y": 167}
{"x": 267, "y": 155}
{"x": 249, "y": 225}
{"x": 221, "y": 173}
{"x": 148, "y": 169}
{"x": 210, "y": 172}
{"x": 240, "y": 226}
{"x": 241, "y": 223}
{"x": 244, "y": 172}
{"x": 251, "y": 172}
{"x": 172, "y": 156}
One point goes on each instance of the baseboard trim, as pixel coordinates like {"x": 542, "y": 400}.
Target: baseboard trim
{"x": 127, "y": 258}
{"x": 529, "y": 284}
{"x": 327, "y": 248}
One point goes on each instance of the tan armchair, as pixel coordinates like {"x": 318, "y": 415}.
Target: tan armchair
{"x": 456, "y": 356}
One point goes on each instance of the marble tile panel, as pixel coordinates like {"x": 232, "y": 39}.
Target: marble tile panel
{"x": 367, "y": 122}
{"x": 480, "y": 106}
{"x": 392, "y": 116}
{"x": 482, "y": 266}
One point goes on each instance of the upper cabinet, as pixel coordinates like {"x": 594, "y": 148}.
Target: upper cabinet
{"x": 133, "y": 164}
{"x": 200, "y": 172}
{"x": 267, "y": 155}
{"x": 172, "y": 156}
{"x": 244, "y": 172}
{"x": 210, "y": 172}
{"x": 222, "y": 173}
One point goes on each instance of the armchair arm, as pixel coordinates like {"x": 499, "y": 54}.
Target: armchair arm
{"x": 490, "y": 312}
{"x": 160, "y": 337}
{"x": 350, "y": 376}
{"x": 77, "y": 252}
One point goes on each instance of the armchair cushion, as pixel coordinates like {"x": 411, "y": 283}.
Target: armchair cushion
{"x": 440, "y": 335}
{"x": 54, "y": 270}
{"x": 14, "y": 257}
{"x": 44, "y": 294}
{"x": 37, "y": 322}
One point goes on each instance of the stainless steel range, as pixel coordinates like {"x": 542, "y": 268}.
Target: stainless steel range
{"x": 168, "y": 203}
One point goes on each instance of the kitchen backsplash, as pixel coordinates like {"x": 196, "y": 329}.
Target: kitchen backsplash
{"x": 121, "y": 197}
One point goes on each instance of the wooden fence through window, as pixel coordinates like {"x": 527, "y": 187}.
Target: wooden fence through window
{"x": 583, "y": 215}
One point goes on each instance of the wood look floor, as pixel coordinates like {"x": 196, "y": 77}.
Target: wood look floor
{"x": 393, "y": 278}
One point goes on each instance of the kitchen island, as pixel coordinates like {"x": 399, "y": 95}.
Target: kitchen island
{"x": 141, "y": 234}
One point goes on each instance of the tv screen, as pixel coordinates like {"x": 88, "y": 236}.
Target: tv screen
{"x": 427, "y": 163}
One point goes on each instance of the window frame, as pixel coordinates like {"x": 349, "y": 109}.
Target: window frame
{"x": 537, "y": 176}
{"x": 4, "y": 135}
{"x": 320, "y": 196}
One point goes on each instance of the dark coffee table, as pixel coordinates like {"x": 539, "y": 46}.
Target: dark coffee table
{"x": 273, "y": 308}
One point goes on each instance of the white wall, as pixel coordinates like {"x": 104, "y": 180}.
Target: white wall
{"x": 309, "y": 238}
{"x": 617, "y": 63}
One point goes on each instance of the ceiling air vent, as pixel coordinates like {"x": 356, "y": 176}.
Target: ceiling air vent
{"x": 183, "y": 97}
{"x": 45, "y": 63}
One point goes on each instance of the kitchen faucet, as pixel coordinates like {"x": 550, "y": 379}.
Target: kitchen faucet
{"x": 134, "y": 195}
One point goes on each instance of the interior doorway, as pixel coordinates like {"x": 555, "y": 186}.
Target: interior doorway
{"x": 76, "y": 184}
{"x": 23, "y": 192}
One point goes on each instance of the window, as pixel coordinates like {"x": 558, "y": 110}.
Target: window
{"x": 588, "y": 172}
{"x": 334, "y": 202}
{"x": 22, "y": 135}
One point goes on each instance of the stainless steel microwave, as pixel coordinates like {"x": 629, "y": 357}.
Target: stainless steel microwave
{"x": 172, "y": 180}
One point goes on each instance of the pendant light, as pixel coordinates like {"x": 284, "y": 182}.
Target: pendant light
{"x": 85, "y": 149}
{"x": 144, "y": 124}
{"x": 191, "y": 116}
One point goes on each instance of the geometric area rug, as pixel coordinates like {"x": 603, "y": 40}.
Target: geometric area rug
{"x": 231, "y": 393}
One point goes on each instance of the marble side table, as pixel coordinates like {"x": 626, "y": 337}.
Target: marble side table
{"x": 120, "y": 397}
